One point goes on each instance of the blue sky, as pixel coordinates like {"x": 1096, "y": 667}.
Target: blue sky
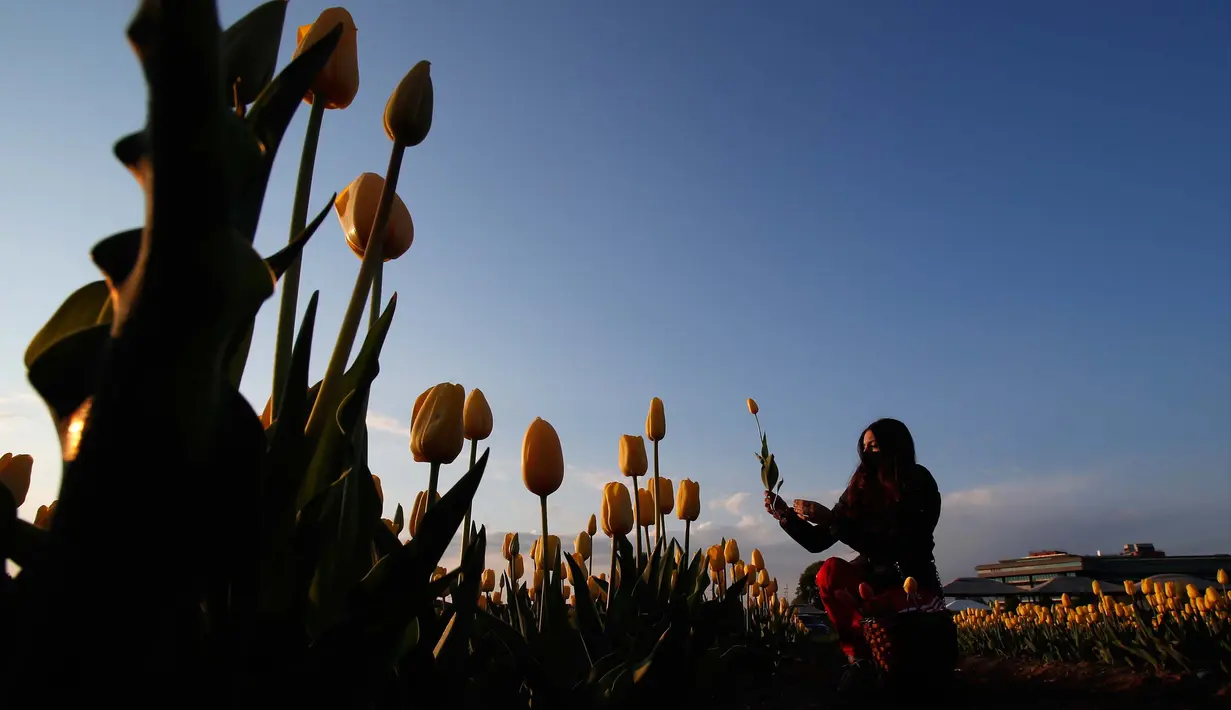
{"x": 1008, "y": 225}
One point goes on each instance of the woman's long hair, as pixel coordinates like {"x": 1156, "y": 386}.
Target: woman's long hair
{"x": 872, "y": 488}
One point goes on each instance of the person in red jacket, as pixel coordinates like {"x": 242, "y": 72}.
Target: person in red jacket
{"x": 887, "y": 515}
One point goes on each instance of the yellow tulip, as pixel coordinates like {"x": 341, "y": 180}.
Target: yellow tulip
{"x": 538, "y": 579}
{"x": 633, "y": 459}
{"x": 731, "y": 552}
{"x": 762, "y": 578}
{"x": 688, "y": 501}
{"x": 645, "y": 506}
{"x": 542, "y": 459}
{"x": 1130, "y": 588}
{"x": 338, "y": 82}
{"x": 545, "y": 557}
{"x": 496, "y": 596}
{"x": 15, "y": 474}
{"x": 408, "y": 113}
{"x": 737, "y": 572}
{"x": 1192, "y": 590}
{"x": 758, "y": 560}
{"x": 566, "y": 591}
{"x": 1066, "y": 600}
{"x": 583, "y": 545}
{"x": 772, "y": 587}
{"x": 665, "y": 497}
{"x": 356, "y": 208}
{"x": 1222, "y": 577}
{"x": 476, "y": 416}
{"x": 488, "y": 582}
{"x": 519, "y": 567}
{"x": 753, "y": 409}
{"x": 417, "y": 511}
{"x": 592, "y": 526}
{"x": 436, "y": 433}
{"x": 656, "y": 421}
{"x": 910, "y": 586}
{"x": 715, "y": 557}
{"x": 482, "y": 603}
{"x": 617, "y": 509}
{"x": 506, "y": 550}
{"x": 440, "y": 572}
{"x": 596, "y": 591}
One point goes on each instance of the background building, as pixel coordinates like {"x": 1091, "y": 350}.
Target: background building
{"x": 1136, "y": 561}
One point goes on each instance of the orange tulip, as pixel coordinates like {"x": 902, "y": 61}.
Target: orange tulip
{"x": 542, "y": 459}
{"x": 338, "y": 82}
{"x": 356, "y": 208}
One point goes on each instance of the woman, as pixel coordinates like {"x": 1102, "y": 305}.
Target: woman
{"x": 887, "y": 514}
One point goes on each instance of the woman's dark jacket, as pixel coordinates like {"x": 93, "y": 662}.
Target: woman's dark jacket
{"x": 894, "y": 540}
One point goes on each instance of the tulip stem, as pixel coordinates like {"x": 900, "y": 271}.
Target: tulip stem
{"x": 474, "y": 450}
{"x": 433, "y": 481}
{"x": 637, "y": 519}
{"x": 687, "y": 528}
{"x": 290, "y": 280}
{"x": 611, "y": 583}
{"x": 658, "y": 516}
{"x": 330, "y": 394}
{"x": 547, "y": 563}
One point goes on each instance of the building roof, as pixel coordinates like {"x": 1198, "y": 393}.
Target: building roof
{"x": 964, "y": 604}
{"x": 978, "y": 587}
{"x": 1182, "y": 580}
{"x": 1074, "y": 585}
{"x": 807, "y": 610}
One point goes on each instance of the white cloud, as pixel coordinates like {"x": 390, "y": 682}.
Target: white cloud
{"x": 732, "y": 503}
{"x": 387, "y": 424}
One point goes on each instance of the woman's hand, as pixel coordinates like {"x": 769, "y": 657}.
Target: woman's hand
{"x": 775, "y": 506}
{"x": 813, "y": 512}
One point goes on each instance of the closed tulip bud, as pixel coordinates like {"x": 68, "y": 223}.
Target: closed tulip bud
{"x": 15, "y": 474}
{"x": 656, "y": 421}
{"x": 581, "y": 562}
{"x": 666, "y": 495}
{"x": 617, "y": 509}
{"x": 1169, "y": 589}
{"x": 519, "y": 567}
{"x": 538, "y": 579}
{"x": 910, "y": 586}
{"x": 1192, "y": 590}
{"x": 645, "y": 506}
{"x": 380, "y": 492}
{"x": 1066, "y": 600}
{"x": 592, "y": 526}
{"x": 772, "y": 587}
{"x": 714, "y": 556}
{"x": 509, "y": 548}
{"x": 583, "y": 545}
{"x": 408, "y": 113}
{"x": 440, "y": 572}
{"x": 731, "y": 552}
{"x": 545, "y": 554}
{"x": 44, "y": 515}
{"x": 688, "y": 501}
{"x": 482, "y": 603}
{"x": 754, "y": 590}
{"x": 542, "y": 459}
{"x": 753, "y": 409}
{"x": 417, "y": 511}
{"x": 356, "y": 208}
{"x": 488, "y": 581}
{"x": 436, "y": 433}
{"x": 477, "y": 416}
{"x": 338, "y": 82}
{"x": 762, "y": 578}
{"x": 596, "y": 591}
{"x": 1223, "y": 578}
{"x": 738, "y": 571}
{"x": 1098, "y": 588}
{"x": 566, "y": 591}
{"x": 1147, "y": 586}
{"x": 1130, "y": 588}
{"x": 865, "y": 591}
{"x": 633, "y": 459}
{"x": 757, "y": 559}
{"x": 496, "y": 596}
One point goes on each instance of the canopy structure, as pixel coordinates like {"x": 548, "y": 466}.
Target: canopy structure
{"x": 965, "y": 604}
{"x": 1074, "y": 585}
{"x": 979, "y": 587}
{"x": 1182, "y": 580}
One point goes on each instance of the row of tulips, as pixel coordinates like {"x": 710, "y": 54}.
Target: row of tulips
{"x": 1158, "y": 626}
{"x": 289, "y": 588}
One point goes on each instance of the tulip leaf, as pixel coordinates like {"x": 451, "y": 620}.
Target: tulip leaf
{"x": 271, "y": 112}
{"x": 330, "y": 452}
{"x": 452, "y": 650}
{"x": 289, "y": 453}
{"x": 282, "y": 259}
{"x": 87, "y": 307}
{"x": 587, "y": 616}
{"x": 769, "y": 473}
{"x": 250, "y": 50}
{"x": 66, "y": 373}
{"x": 399, "y": 519}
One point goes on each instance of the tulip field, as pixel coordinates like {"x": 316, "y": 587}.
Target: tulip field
{"x": 1156, "y": 627}
{"x": 268, "y": 577}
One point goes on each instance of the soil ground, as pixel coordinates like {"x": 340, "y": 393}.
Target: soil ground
{"x": 808, "y": 681}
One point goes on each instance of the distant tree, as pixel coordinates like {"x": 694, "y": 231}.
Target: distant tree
{"x": 807, "y": 593}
